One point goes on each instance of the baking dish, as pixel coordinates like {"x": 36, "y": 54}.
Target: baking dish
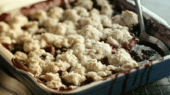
{"x": 115, "y": 84}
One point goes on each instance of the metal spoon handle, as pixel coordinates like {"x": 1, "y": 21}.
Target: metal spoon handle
{"x": 139, "y": 10}
{"x": 144, "y": 36}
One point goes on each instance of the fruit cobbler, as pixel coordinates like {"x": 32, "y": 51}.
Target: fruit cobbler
{"x": 66, "y": 48}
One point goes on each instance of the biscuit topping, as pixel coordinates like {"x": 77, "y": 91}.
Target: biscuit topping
{"x": 67, "y": 48}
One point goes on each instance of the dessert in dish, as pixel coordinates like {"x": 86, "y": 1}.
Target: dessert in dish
{"x": 66, "y": 48}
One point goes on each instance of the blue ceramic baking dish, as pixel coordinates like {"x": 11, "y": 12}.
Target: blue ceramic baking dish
{"x": 113, "y": 85}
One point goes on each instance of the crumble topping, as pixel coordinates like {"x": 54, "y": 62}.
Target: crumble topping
{"x": 118, "y": 36}
{"x": 31, "y": 27}
{"x": 90, "y": 32}
{"x": 31, "y": 45}
{"x": 106, "y": 21}
{"x": 130, "y": 18}
{"x": 56, "y": 12}
{"x": 65, "y": 48}
{"x": 39, "y": 16}
{"x": 18, "y": 21}
{"x": 122, "y": 59}
{"x": 88, "y": 4}
{"x": 127, "y": 18}
{"x": 3, "y": 27}
{"x": 21, "y": 55}
{"x": 97, "y": 50}
{"x": 81, "y": 11}
{"x": 93, "y": 65}
{"x": 59, "y": 29}
{"x": 69, "y": 57}
{"x": 54, "y": 67}
{"x": 78, "y": 68}
{"x": 94, "y": 76}
{"x": 35, "y": 68}
{"x": 50, "y": 22}
{"x": 55, "y": 84}
{"x": 53, "y": 80}
{"x": 73, "y": 78}
{"x": 71, "y": 14}
{"x": 5, "y": 39}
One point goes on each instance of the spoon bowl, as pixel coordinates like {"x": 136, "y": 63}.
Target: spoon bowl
{"x": 146, "y": 37}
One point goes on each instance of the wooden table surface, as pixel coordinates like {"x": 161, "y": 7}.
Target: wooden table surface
{"x": 9, "y": 85}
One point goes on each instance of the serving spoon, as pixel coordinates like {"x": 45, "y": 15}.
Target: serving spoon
{"x": 146, "y": 37}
